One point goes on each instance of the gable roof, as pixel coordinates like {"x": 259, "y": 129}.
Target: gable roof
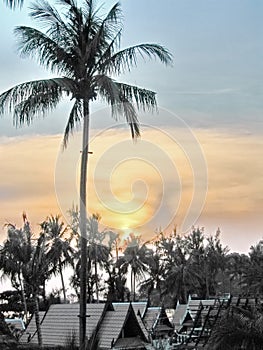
{"x": 195, "y": 304}
{"x": 61, "y": 323}
{"x": 138, "y": 306}
{"x": 156, "y": 320}
{"x": 181, "y": 315}
{"x": 120, "y": 323}
{"x": 139, "y": 309}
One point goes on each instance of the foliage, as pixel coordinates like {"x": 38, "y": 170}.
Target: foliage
{"x": 238, "y": 329}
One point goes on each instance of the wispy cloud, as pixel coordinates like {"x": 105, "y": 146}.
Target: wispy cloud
{"x": 149, "y": 192}
{"x": 223, "y": 91}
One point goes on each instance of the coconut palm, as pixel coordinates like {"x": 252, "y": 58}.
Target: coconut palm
{"x": 136, "y": 256}
{"x": 60, "y": 251}
{"x": 16, "y": 253}
{"x": 82, "y": 47}
{"x": 98, "y": 252}
{"x": 154, "y": 281}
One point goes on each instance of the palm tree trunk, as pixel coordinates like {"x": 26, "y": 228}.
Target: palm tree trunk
{"x": 96, "y": 275}
{"x": 37, "y": 319}
{"x": 62, "y": 281}
{"x": 83, "y": 230}
{"x": 23, "y": 296}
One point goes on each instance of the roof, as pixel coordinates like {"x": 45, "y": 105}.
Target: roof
{"x": 156, "y": 320}
{"x": 181, "y": 315}
{"x": 151, "y": 317}
{"x": 139, "y": 310}
{"x": 31, "y": 328}
{"x": 195, "y": 304}
{"x": 138, "y": 306}
{"x": 61, "y": 322}
{"x": 129, "y": 343}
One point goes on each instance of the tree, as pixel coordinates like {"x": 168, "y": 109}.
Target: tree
{"x": 136, "y": 256}
{"x": 15, "y": 254}
{"x": 60, "y": 251}
{"x": 237, "y": 329}
{"x": 81, "y": 47}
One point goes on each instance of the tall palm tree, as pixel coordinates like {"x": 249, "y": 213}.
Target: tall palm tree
{"x": 82, "y": 47}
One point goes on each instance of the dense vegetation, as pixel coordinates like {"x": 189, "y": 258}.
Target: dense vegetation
{"x": 166, "y": 269}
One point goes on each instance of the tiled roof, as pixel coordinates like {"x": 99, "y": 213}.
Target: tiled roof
{"x": 180, "y": 315}
{"x": 156, "y": 320}
{"x": 62, "y": 322}
{"x": 195, "y": 304}
{"x": 31, "y": 328}
{"x": 138, "y": 306}
{"x": 151, "y": 316}
{"x": 139, "y": 310}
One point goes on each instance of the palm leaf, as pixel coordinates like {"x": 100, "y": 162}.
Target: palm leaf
{"x": 125, "y": 59}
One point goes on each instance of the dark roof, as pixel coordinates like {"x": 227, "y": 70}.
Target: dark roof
{"x": 139, "y": 310}
{"x": 129, "y": 343}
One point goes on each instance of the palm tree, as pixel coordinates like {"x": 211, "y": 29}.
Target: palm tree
{"x": 82, "y": 48}
{"x": 155, "y": 272}
{"x": 98, "y": 252}
{"x": 60, "y": 251}
{"x": 136, "y": 256}
{"x": 16, "y": 253}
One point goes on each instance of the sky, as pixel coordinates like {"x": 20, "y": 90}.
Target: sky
{"x": 199, "y": 159}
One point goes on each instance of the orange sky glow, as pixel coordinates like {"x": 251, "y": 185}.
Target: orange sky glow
{"x": 138, "y": 187}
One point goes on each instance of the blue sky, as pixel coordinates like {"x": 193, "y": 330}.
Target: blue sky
{"x": 215, "y": 86}
{"x": 217, "y": 76}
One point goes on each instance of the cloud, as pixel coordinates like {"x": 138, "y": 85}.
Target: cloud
{"x": 223, "y": 91}
{"x": 139, "y": 186}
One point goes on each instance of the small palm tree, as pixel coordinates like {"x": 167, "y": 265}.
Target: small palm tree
{"x": 16, "y": 253}
{"x": 82, "y": 48}
{"x": 137, "y": 256}
{"x": 60, "y": 251}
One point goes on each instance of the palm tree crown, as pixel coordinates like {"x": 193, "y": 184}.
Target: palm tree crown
{"x": 80, "y": 47}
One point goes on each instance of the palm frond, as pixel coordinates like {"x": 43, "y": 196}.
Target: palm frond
{"x": 143, "y": 98}
{"x": 33, "y": 43}
{"x": 45, "y": 13}
{"x": 125, "y": 59}
{"x": 73, "y": 120}
{"x": 32, "y": 98}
